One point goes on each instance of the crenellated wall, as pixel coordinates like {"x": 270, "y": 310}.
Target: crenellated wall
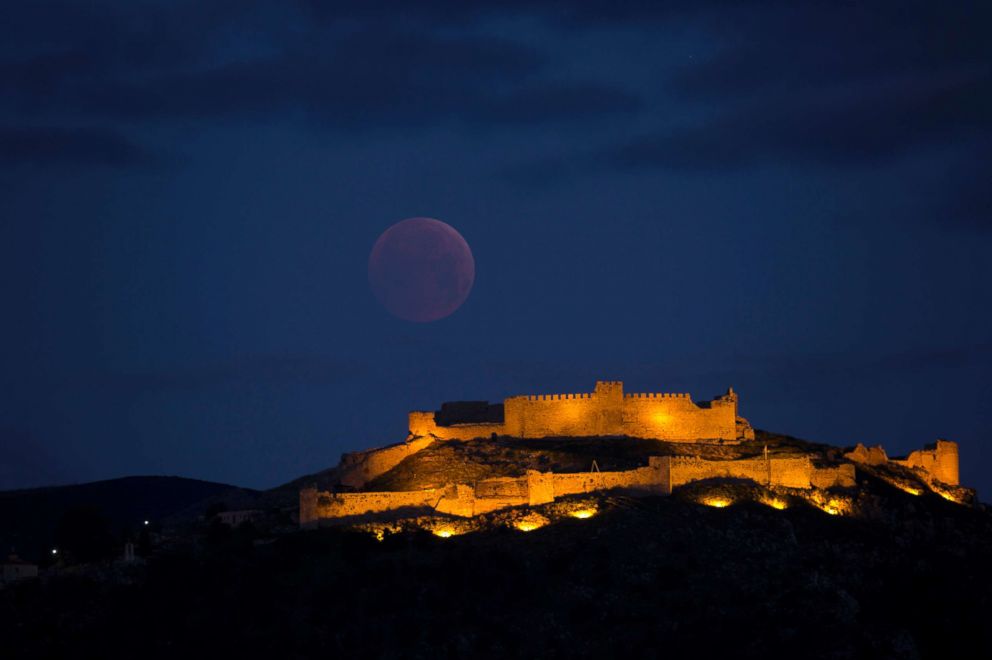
{"x": 606, "y": 411}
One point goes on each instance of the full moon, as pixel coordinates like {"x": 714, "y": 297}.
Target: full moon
{"x": 421, "y": 269}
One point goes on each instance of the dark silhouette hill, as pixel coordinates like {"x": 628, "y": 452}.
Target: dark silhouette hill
{"x": 29, "y": 517}
{"x": 908, "y": 577}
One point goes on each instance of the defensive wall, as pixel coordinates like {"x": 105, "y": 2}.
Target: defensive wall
{"x": 604, "y": 412}
{"x": 659, "y": 477}
{"x": 937, "y": 461}
{"x": 358, "y": 468}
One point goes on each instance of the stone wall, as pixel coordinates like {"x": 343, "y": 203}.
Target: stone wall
{"x": 654, "y": 480}
{"x": 939, "y": 461}
{"x": 657, "y": 478}
{"x": 358, "y": 468}
{"x": 606, "y": 411}
{"x": 422, "y": 424}
{"x": 827, "y": 477}
{"x": 867, "y": 455}
{"x": 796, "y": 472}
{"x": 318, "y": 505}
{"x": 487, "y": 495}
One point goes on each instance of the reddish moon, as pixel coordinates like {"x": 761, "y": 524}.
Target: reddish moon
{"x": 421, "y": 269}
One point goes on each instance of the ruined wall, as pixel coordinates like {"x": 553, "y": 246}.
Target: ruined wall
{"x": 483, "y": 505}
{"x": 867, "y": 455}
{"x": 540, "y": 487}
{"x": 457, "y": 500}
{"x": 308, "y": 506}
{"x": 658, "y": 478}
{"x": 502, "y": 492}
{"x": 358, "y": 468}
{"x": 503, "y": 487}
{"x": 828, "y": 477}
{"x": 654, "y": 479}
{"x": 422, "y": 424}
{"x": 790, "y": 472}
{"x": 939, "y": 460}
{"x": 604, "y": 412}
{"x": 323, "y": 505}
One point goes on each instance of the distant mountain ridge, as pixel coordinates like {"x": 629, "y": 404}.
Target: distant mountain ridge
{"x": 28, "y": 517}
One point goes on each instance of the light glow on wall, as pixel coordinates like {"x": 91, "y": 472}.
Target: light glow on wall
{"x": 583, "y": 513}
{"x": 831, "y": 505}
{"x": 950, "y": 497}
{"x": 717, "y": 502}
{"x": 775, "y": 503}
{"x": 528, "y": 525}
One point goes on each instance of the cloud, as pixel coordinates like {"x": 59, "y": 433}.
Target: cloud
{"x": 71, "y": 146}
{"x": 829, "y": 84}
{"x": 269, "y": 62}
{"x": 864, "y": 124}
{"x": 311, "y": 370}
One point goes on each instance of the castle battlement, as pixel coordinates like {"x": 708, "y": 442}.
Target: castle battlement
{"x": 605, "y": 411}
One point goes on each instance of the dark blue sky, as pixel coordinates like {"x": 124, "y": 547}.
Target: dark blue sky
{"x": 790, "y": 198}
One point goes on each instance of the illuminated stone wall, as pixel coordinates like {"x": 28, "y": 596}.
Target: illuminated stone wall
{"x": 676, "y": 417}
{"x": 939, "y": 461}
{"x": 797, "y": 472}
{"x": 358, "y": 468}
{"x": 604, "y": 412}
{"x": 321, "y": 505}
{"x": 827, "y": 477}
{"x": 653, "y": 480}
{"x": 867, "y": 455}
{"x": 657, "y": 478}
{"x": 422, "y": 424}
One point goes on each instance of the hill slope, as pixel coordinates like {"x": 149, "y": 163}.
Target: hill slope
{"x": 466, "y": 461}
{"x": 646, "y": 578}
{"x": 28, "y": 517}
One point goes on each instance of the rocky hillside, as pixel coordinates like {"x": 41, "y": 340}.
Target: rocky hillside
{"x": 455, "y": 461}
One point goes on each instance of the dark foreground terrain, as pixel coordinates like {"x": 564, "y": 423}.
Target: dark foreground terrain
{"x": 911, "y": 577}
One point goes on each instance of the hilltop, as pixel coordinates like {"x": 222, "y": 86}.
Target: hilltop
{"x": 464, "y": 461}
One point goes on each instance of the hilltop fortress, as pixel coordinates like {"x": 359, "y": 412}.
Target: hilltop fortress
{"x": 608, "y": 414}
{"x": 605, "y": 411}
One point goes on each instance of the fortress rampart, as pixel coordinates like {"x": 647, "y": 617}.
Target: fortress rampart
{"x": 604, "y": 412}
{"x": 937, "y": 461}
{"x": 358, "y": 468}
{"x": 607, "y": 411}
{"x": 658, "y": 477}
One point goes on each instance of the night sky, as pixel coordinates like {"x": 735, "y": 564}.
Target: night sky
{"x": 789, "y": 198}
